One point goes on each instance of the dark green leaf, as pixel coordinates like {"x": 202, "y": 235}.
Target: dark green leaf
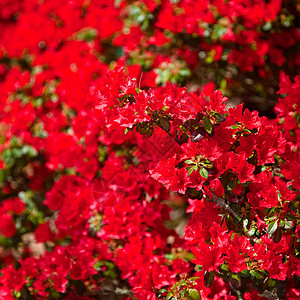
{"x": 150, "y": 132}
{"x": 198, "y": 135}
{"x": 277, "y": 235}
{"x": 144, "y": 130}
{"x": 209, "y": 279}
{"x": 244, "y": 273}
{"x": 212, "y": 132}
{"x": 194, "y": 194}
{"x": 164, "y": 124}
{"x": 207, "y": 124}
{"x": 235, "y": 281}
{"x": 257, "y": 274}
{"x": 231, "y": 184}
{"x": 219, "y": 118}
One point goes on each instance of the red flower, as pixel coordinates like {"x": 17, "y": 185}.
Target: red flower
{"x": 11, "y": 278}
{"x": 7, "y": 225}
{"x": 43, "y": 233}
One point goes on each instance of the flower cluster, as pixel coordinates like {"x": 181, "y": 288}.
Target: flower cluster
{"x": 201, "y": 43}
{"x": 241, "y": 167}
{"x": 120, "y": 184}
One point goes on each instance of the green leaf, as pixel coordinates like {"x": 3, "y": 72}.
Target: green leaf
{"x": 169, "y": 296}
{"x": 189, "y": 256}
{"x": 143, "y": 130}
{"x": 267, "y": 26}
{"x": 194, "y": 294}
{"x": 29, "y": 150}
{"x": 126, "y": 130}
{"x": 257, "y": 274}
{"x": 207, "y": 124}
{"x": 235, "y": 281}
{"x": 288, "y": 225}
{"x": 189, "y": 161}
{"x": 209, "y": 278}
{"x": 194, "y": 194}
{"x": 272, "y": 227}
{"x": 252, "y": 231}
{"x": 203, "y": 173}
{"x": 218, "y": 117}
{"x": 164, "y": 76}
{"x": 271, "y": 283}
{"x": 198, "y": 135}
{"x": 198, "y": 268}
{"x": 194, "y": 278}
{"x": 164, "y": 124}
{"x": 86, "y": 34}
{"x": 244, "y": 273}
{"x": 223, "y": 84}
{"x": 150, "y": 132}
{"x": 192, "y": 169}
{"x": 231, "y": 185}
{"x": 185, "y": 72}
{"x": 224, "y": 267}
{"x": 182, "y": 293}
{"x": 277, "y": 235}
{"x": 245, "y": 223}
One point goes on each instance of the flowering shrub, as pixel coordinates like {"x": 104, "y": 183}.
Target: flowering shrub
{"x": 238, "y": 46}
{"x": 246, "y": 229}
{"x": 116, "y": 182}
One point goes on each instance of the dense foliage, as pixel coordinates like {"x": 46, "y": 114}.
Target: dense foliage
{"x": 129, "y": 168}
